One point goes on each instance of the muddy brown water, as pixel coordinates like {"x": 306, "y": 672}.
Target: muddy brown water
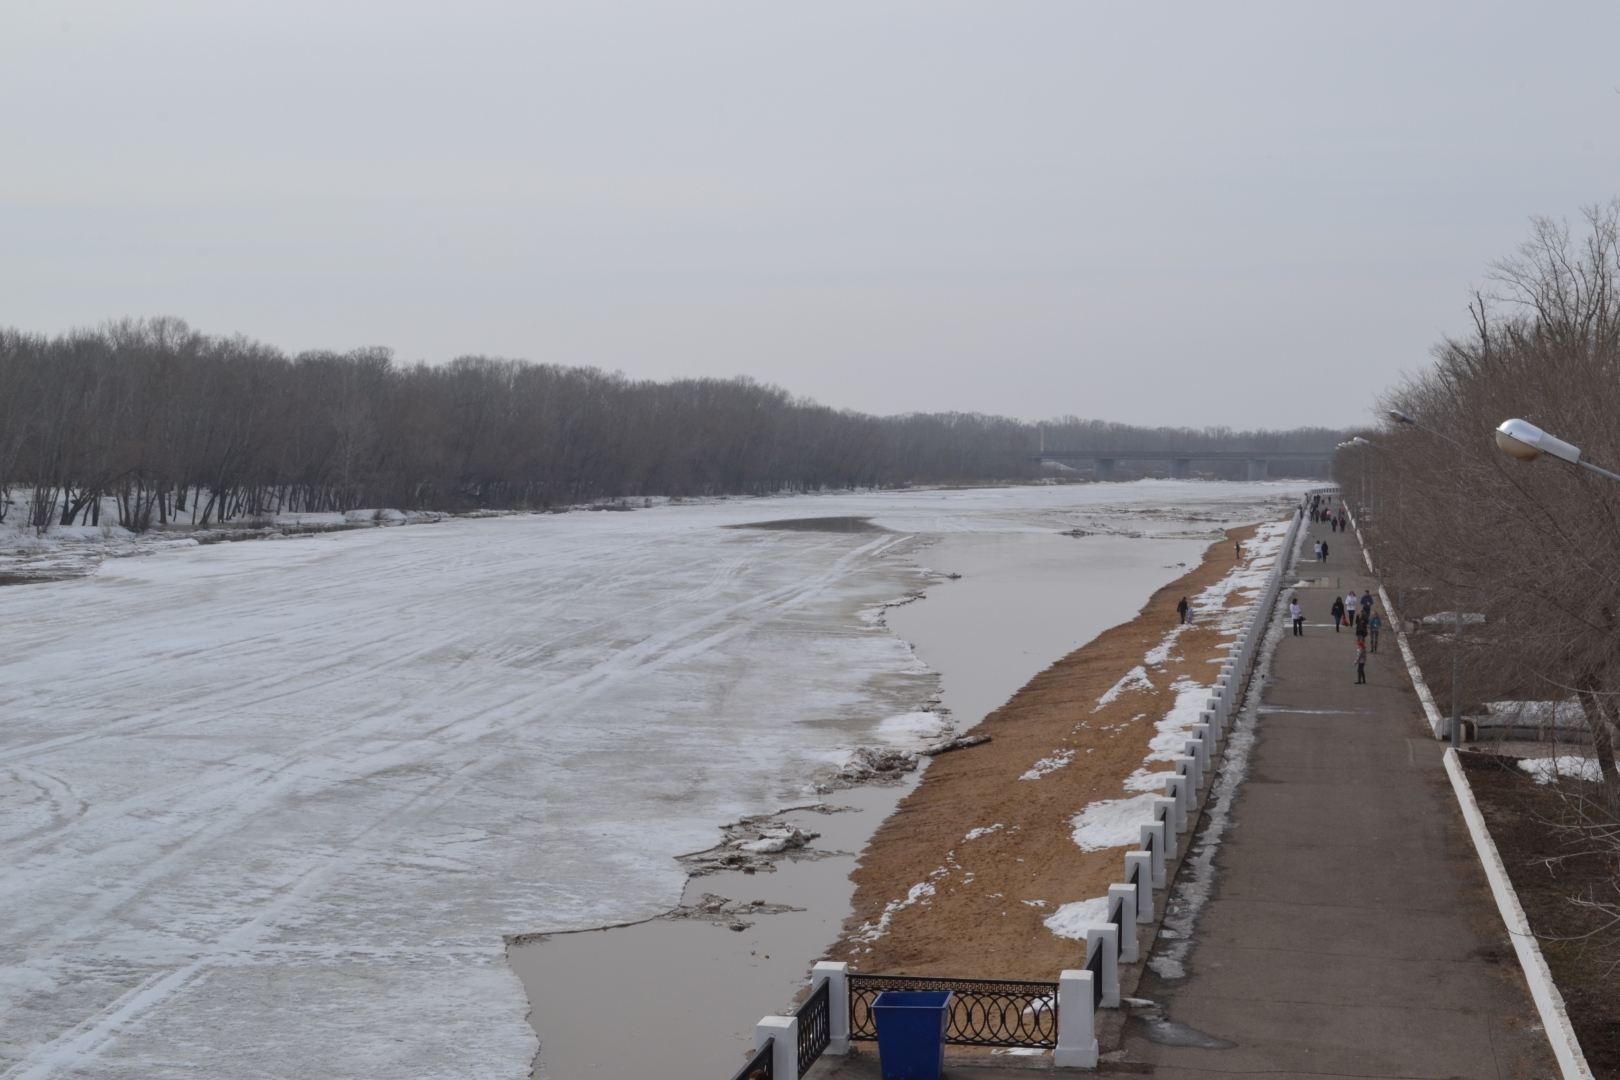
{"x": 679, "y": 997}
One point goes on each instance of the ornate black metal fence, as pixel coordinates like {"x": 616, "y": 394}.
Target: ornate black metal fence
{"x": 760, "y": 1066}
{"x": 984, "y": 1012}
{"x": 815, "y": 1026}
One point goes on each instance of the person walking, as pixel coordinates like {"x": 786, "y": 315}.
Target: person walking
{"x": 1337, "y": 613}
{"x": 1361, "y": 663}
{"x": 1375, "y": 624}
{"x": 1349, "y": 607}
{"x": 1361, "y": 626}
{"x": 1181, "y": 609}
{"x": 1298, "y": 616}
{"x": 1366, "y": 602}
{"x": 1324, "y": 551}
{"x": 1319, "y": 551}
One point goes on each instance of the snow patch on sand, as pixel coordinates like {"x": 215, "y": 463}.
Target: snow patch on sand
{"x": 1071, "y": 920}
{"x": 1134, "y": 679}
{"x": 1111, "y": 823}
{"x": 919, "y": 893}
{"x": 1048, "y": 764}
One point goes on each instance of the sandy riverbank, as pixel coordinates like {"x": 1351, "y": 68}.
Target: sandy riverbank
{"x": 963, "y": 877}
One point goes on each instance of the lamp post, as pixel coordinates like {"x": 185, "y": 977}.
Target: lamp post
{"x": 1525, "y": 441}
{"x": 1456, "y": 598}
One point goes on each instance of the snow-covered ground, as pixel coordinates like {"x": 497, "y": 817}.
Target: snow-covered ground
{"x": 270, "y": 808}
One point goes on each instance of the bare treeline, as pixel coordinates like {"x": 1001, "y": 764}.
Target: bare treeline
{"x": 1533, "y": 546}
{"x": 170, "y": 425}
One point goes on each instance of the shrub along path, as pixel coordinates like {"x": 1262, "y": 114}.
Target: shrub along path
{"x": 1351, "y": 931}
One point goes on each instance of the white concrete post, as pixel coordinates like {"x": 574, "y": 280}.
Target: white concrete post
{"x": 1209, "y": 720}
{"x": 1223, "y": 690}
{"x": 1144, "y": 879}
{"x": 1077, "y": 1022}
{"x": 1187, "y": 765}
{"x": 785, "y": 1029}
{"x": 1106, "y": 938}
{"x": 1125, "y": 897}
{"x": 1193, "y": 748}
{"x": 1158, "y": 851}
{"x": 1205, "y": 742}
{"x": 1216, "y": 706}
{"x": 1175, "y": 787}
{"x": 837, "y": 975}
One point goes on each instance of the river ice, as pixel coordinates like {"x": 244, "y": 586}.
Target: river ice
{"x": 271, "y": 808}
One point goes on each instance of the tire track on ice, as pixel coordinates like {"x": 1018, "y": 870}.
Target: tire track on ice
{"x": 690, "y": 638}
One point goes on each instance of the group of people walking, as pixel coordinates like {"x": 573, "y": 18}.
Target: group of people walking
{"x": 1322, "y": 510}
{"x": 1351, "y": 611}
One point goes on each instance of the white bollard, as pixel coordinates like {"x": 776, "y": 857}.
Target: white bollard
{"x": 1203, "y": 744}
{"x": 1143, "y": 862}
{"x": 1156, "y": 847}
{"x": 837, "y": 975}
{"x": 1175, "y": 787}
{"x": 1206, "y": 737}
{"x": 1209, "y": 720}
{"x": 1124, "y": 898}
{"x": 1077, "y": 1022}
{"x": 1164, "y": 813}
{"x": 785, "y": 1030}
{"x": 1106, "y": 939}
{"x": 1187, "y": 765}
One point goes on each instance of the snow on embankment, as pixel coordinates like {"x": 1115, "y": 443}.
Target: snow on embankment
{"x": 1116, "y": 823}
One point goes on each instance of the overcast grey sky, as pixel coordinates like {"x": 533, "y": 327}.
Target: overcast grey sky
{"x": 1246, "y": 214}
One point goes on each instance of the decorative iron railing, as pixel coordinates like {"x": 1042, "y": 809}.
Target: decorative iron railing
{"x": 984, "y": 1012}
{"x": 760, "y": 1066}
{"x": 815, "y": 1026}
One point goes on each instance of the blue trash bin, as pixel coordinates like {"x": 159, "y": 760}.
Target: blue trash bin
{"x": 911, "y": 1033}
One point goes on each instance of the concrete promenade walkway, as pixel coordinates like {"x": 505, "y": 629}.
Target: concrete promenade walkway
{"x": 1350, "y": 931}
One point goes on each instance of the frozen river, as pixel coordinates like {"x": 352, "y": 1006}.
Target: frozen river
{"x": 272, "y": 808}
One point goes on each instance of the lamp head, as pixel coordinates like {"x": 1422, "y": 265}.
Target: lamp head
{"x": 1525, "y": 441}
{"x": 1359, "y": 441}
{"x": 1400, "y": 417}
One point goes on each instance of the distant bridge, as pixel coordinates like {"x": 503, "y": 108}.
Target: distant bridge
{"x": 1181, "y": 460}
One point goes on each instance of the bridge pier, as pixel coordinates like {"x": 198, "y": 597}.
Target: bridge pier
{"x": 1180, "y": 468}
{"x": 1258, "y": 469}
{"x": 1105, "y": 468}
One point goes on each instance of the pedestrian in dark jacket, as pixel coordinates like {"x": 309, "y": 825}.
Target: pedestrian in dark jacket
{"x": 1181, "y": 609}
{"x": 1361, "y": 663}
{"x": 1366, "y": 602}
{"x": 1324, "y": 551}
{"x": 1338, "y": 613}
{"x": 1361, "y": 625}
{"x": 1298, "y": 616}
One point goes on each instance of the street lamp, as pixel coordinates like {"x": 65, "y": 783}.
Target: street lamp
{"x": 1525, "y": 441}
{"x": 1456, "y": 599}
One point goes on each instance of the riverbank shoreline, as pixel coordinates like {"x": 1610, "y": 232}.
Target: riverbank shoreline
{"x": 984, "y": 849}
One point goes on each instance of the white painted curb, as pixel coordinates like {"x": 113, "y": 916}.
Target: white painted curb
{"x": 1543, "y": 991}
{"x": 1437, "y": 723}
{"x": 1549, "y": 1002}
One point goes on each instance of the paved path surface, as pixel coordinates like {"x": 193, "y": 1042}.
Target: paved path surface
{"x": 1351, "y": 931}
